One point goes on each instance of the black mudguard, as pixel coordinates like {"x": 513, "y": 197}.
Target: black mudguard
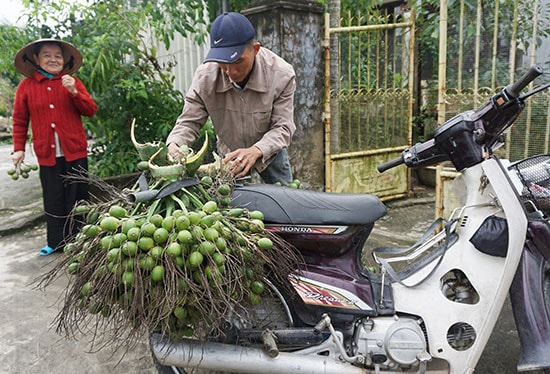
{"x": 530, "y": 298}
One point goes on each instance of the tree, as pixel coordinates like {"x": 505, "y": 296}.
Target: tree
{"x": 121, "y": 68}
{"x": 10, "y": 37}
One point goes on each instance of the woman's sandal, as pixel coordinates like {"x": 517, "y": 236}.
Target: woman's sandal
{"x": 46, "y": 251}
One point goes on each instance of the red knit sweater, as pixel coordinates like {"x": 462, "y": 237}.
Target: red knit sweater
{"x": 51, "y": 108}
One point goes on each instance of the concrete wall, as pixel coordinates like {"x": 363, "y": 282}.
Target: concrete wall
{"x": 294, "y": 30}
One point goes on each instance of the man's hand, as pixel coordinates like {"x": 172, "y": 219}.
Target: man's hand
{"x": 174, "y": 151}
{"x": 241, "y": 160}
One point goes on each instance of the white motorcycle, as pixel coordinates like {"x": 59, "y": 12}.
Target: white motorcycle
{"x": 429, "y": 308}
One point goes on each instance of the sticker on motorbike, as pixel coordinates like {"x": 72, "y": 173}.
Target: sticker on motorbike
{"x": 317, "y": 293}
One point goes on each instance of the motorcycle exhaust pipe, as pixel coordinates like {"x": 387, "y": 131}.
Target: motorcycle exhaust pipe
{"x": 189, "y": 353}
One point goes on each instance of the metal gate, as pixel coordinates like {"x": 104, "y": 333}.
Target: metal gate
{"x": 368, "y": 101}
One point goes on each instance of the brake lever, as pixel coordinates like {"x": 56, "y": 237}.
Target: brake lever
{"x": 534, "y": 91}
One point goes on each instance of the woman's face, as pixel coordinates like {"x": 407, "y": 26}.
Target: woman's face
{"x": 238, "y": 70}
{"x": 50, "y": 58}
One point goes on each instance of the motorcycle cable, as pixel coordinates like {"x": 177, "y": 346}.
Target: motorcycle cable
{"x": 449, "y": 240}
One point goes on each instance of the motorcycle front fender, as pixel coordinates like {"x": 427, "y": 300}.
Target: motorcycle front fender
{"x": 529, "y": 296}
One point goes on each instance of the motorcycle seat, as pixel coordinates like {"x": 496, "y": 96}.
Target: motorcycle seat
{"x": 285, "y": 205}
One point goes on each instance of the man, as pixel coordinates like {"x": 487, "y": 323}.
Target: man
{"x": 248, "y": 92}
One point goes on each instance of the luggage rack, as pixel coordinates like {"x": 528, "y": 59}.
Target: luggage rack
{"x": 441, "y": 235}
{"x": 534, "y": 174}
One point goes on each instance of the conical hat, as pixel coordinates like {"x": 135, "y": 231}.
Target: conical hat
{"x": 24, "y": 61}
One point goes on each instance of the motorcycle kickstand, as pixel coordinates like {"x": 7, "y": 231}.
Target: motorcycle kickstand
{"x": 326, "y": 323}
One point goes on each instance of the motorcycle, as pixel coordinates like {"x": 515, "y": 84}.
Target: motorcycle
{"x": 429, "y": 308}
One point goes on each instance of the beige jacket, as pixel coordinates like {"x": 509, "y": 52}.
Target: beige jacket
{"x": 262, "y": 114}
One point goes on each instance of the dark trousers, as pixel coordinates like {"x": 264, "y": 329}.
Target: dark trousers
{"x": 60, "y": 196}
{"x": 278, "y": 170}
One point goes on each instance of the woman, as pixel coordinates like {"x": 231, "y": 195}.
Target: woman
{"x": 53, "y": 101}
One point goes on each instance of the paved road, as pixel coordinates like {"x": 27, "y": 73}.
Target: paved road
{"x": 29, "y": 343}
{"x": 28, "y": 340}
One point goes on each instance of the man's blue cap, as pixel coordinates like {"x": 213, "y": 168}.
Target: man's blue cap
{"x": 229, "y": 34}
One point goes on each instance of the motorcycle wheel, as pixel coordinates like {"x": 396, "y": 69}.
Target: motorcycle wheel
{"x": 272, "y": 312}
{"x": 546, "y": 286}
{"x": 546, "y": 290}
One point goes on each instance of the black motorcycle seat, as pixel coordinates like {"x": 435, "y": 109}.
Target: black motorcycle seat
{"x": 287, "y": 205}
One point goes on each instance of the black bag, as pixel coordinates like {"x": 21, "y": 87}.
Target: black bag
{"x": 492, "y": 237}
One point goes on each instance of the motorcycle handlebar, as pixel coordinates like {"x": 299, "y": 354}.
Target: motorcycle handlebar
{"x": 515, "y": 89}
{"x": 390, "y": 164}
{"x": 491, "y": 119}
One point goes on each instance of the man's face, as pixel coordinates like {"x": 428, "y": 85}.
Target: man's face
{"x": 50, "y": 58}
{"x": 238, "y": 70}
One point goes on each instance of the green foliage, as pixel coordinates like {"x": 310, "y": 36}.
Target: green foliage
{"x": 359, "y": 6}
{"x": 11, "y": 39}
{"x": 6, "y": 98}
{"x": 215, "y": 8}
{"x": 427, "y": 25}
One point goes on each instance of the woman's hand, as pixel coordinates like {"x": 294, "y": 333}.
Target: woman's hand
{"x": 69, "y": 83}
{"x": 18, "y": 157}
